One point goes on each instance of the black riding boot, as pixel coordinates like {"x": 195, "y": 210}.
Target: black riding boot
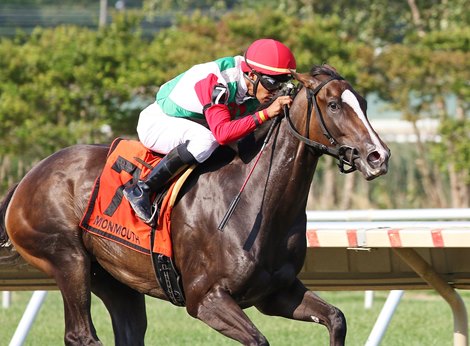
{"x": 139, "y": 194}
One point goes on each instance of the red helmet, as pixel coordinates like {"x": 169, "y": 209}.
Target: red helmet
{"x": 268, "y": 56}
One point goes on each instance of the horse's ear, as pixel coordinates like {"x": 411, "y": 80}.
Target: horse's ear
{"x": 304, "y": 78}
{"x": 329, "y": 67}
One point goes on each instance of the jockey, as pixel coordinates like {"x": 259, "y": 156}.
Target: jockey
{"x": 222, "y": 94}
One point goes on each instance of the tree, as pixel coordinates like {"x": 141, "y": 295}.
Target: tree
{"x": 91, "y": 88}
{"x": 423, "y": 79}
{"x": 65, "y": 91}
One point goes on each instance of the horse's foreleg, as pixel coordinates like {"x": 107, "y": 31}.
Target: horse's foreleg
{"x": 218, "y": 310}
{"x": 126, "y": 307}
{"x": 298, "y": 303}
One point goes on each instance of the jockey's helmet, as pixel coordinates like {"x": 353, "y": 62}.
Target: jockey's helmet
{"x": 269, "y": 57}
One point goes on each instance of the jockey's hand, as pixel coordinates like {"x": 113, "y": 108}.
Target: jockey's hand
{"x": 277, "y": 106}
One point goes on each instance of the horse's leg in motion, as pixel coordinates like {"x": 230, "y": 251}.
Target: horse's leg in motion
{"x": 58, "y": 251}
{"x": 218, "y": 310}
{"x": 298, "y": 303}
{"x": 73, "y": 278}
{"x": 126, "y": 307}
{"x": 70, "y": 267}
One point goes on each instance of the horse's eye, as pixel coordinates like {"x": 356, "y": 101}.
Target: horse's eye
{"x": 333, "y": 106}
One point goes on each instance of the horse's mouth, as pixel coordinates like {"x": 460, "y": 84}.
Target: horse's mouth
{"x": 373, "y": 166}
{"x": 372, "y": 174}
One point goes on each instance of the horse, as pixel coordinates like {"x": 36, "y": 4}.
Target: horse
{"x": 253, "y": 261}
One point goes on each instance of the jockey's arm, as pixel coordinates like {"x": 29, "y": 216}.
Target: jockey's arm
{"x": 214, "y": 95}
{"x": 224, "y": 129}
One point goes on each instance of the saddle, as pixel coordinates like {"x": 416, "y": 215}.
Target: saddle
{"x": 108, "y": 214}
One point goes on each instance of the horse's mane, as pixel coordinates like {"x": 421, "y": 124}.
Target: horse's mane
{"x": 324, "y": 69}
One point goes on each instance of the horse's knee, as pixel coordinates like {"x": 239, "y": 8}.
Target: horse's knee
{"x": 261, "y": 341}
{"x": 218, "y": 310}
{"x": 337, "y": 317}
{"x": 337, "y": 326}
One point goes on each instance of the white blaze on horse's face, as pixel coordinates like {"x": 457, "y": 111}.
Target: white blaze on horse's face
{"x": 349, "y": 98}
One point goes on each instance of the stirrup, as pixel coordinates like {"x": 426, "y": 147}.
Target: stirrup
{"x": 137, "y": 199}
{"x": 152, "y": 221}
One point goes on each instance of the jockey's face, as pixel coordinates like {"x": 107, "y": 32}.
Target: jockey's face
{"x": 263, "y": 95}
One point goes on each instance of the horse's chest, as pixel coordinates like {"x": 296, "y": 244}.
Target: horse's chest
{"x": 263, "y": 281}
{"x": 278, "y": 271}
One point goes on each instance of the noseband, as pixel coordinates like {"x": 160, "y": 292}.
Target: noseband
{"x": 343, "y": 153}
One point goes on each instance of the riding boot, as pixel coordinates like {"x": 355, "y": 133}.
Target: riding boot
{"x": 139, "y": 194}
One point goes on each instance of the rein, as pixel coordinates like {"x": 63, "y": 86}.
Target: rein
{"x": 339, "y": 152}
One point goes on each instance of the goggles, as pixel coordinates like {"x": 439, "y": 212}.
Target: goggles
{"x": 270, "y": 83}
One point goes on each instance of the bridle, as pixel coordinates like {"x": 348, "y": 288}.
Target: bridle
{"x": 345, "y": 154}
{"x": 339, "y": 151}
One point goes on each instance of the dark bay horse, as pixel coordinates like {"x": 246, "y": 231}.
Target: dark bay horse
{"x": 254, "y": 261}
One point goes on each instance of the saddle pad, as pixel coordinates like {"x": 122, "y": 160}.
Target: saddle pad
{"x": 109, "y": 215}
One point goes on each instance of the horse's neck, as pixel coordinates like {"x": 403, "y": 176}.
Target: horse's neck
{"x": 287, "y": 170}
{"x": 294, "y": 157}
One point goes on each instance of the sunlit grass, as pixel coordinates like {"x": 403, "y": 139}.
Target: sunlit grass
{"x": 422, "y": 318}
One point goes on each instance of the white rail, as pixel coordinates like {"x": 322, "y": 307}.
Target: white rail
{"x": 390, "y": 215}
{"x": 379, "y": 221}
{"x": 28, "y": 318}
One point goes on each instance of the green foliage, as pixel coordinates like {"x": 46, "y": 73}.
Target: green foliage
{"x": 450, "y": 40}
{"x": 70, "y": 84}
{"x": 63, "y": 84}
{"x": 158, "y": 6}
{"x": 415, "y": 78}
{"x": 454, "y": 144}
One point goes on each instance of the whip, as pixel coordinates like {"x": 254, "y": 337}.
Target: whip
{"x": 288, "y": 89}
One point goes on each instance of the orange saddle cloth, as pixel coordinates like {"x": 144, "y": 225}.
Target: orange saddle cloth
{"x": 109, "y": 215}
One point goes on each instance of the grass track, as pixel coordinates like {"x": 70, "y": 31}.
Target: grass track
{"x": 422, "y": 318}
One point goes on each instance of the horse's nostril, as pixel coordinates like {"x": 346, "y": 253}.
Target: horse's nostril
{"x": 374, "y": 157}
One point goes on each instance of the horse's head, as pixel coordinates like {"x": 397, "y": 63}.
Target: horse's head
{"x": 336, "y": 123}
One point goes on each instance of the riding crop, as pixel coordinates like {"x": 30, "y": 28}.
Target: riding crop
{"x": 236, "y": 199}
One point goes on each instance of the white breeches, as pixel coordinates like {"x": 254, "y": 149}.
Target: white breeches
{"x": 161, "y": 133}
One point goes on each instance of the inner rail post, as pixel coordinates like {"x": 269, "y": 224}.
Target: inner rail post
{"x": 428, "y": 274}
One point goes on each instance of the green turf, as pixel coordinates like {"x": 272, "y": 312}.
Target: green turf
{"x": 422, "y": 318}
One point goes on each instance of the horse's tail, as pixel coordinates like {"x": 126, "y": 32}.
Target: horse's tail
{"x": 3, "y": 210}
